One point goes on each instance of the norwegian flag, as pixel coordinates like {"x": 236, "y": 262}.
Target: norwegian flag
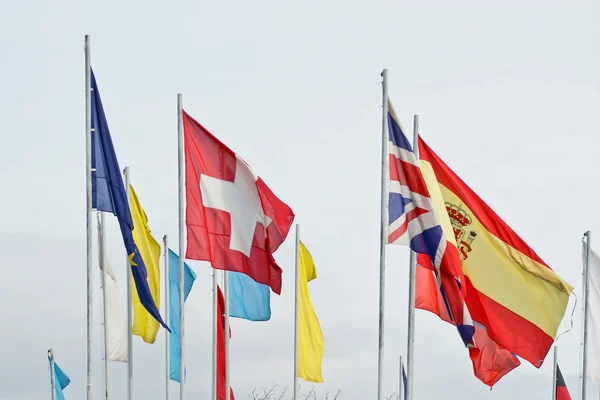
{"x": 413, "y": 222}
{"x": 233, "y": 219}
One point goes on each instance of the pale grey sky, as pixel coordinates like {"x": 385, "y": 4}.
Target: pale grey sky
{"x": 507, "y": 93}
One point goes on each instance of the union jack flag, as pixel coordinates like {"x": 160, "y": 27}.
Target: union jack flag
{"x": 412, "y": 222}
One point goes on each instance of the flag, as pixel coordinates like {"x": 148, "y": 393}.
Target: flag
{"x": 405, "y": 384}
{"x": 248, "y": 299}
{"x": 490, "y": 361}
{"x": 143, "y": 324}
{"x": 116, "y": 323}
{"x": 108, "y": 194}
{"x": 221, "y": 370}
{"x": 189, "y": 276}
{"x": 233, "y": 219}
{"x": 412, "y": 221}
{"x": 61, "y": 380}
{"x": 593, "y": 344}
{"x": 562, "y": 393}
{"x": 510, "y": 290}
{"x": 310, "y": 337}
{"x": 116, "y": 329}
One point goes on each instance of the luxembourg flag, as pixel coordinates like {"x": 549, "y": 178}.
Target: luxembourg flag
{"x": 413, "y": 222}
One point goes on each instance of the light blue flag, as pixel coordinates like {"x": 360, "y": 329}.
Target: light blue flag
{"x": 61, "y": 380}
{"x": 189, "y": 276}
{"x": 248, "y": 299}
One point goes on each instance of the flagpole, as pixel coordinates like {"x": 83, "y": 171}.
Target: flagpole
{"x": 103, "y": 281}
{"x": 296, "y": 312}
{"x": 226, "y": 330}
{"x": 126, "y": 172}
{"x": 214, "y": 337}
{"x": 52, "y": 374}
{"x": 581, "y": 349}
{"x": 88, "y": 182}
{"x": 588, "y": 235}
{"x": 410, "y": 351}
{"x": 167, "y": 335}
{"x": 383, "y": 230}
{"x": 400, "y": 381}
{"x": 181, "y": 244}
{"x": 554, "y": 372}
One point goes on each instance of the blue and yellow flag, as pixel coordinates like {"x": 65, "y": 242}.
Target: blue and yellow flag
{"x": 108, "y": 194}
{"x": 143, "y": 324}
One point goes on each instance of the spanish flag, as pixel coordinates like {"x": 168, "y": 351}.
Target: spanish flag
{"x": 143, "y": 324}
{"x": 509, "y": 289}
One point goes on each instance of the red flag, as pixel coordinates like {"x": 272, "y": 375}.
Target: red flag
{"x": 221, "y": 347}
{"x": 233, "y": 219}
{"x": 490, "y": 361}
{"x": 562, "y": 393}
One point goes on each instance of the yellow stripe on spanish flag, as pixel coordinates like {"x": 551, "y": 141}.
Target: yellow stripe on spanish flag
{"x": 510, "y": 290}
{"x": 144, "y": 325}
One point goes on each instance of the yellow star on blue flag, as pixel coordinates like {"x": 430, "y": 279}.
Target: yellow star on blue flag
{"x": 131, "y": 262}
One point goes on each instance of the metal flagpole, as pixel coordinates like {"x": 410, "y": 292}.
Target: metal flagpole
{"x": 383, "y": 230}
{"x": 214, "y": 337}
{"x": 226, "y": 331}
{"x": 103, "y": 281}
{"x": 554, "y": 372}
{"x": 581, "y": 348}
{"x": 410, "y": 351}
{"x": 52, "y": 374}
{"x": 181, "y": 244}
{"x": 297, "y": 274}
{"x": 88, "y": 218}
{"x": 167, "y": 334}
{"x": 586, "y": 303}
{"x": 400, "y": 382}
{"x": 126, "y": 172}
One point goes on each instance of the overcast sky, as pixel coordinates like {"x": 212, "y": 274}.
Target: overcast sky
{"x": 508, "y": 96}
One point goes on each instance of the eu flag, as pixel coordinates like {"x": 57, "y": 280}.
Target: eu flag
{"x": 108, "y": 194}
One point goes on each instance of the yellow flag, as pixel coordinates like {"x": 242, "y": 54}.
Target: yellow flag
{"x": 310, "y": 337}
{"x": 144, "y": 325}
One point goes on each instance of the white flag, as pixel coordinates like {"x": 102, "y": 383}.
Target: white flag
{"x": 116, "y": 320}
{"x": 116, "y": 324}
{"x": 593, "y": 341}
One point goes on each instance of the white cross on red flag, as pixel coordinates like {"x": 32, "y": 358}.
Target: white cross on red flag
{"x": 233, "y": 219}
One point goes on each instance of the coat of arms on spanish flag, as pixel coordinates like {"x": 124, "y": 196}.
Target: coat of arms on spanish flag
{"x": 510, "y": 290}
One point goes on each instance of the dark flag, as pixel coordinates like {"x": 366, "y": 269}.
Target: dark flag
{"x": 562, "y": 393}
{"x": 404, "y": 382}
{"x": 108, "y": 195}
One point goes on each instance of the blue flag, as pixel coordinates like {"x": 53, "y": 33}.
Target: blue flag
{"x": 248, "y": 299}
{"x": 189, "y": 276}
{"x": 108, "y": 194}
{"x": 61, "y": 380}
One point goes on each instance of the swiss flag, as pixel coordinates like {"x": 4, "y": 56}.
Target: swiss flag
{"x": 233, "y": 219}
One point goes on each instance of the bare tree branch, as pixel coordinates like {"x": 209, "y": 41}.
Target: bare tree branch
{"x": 274, "y": 394}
